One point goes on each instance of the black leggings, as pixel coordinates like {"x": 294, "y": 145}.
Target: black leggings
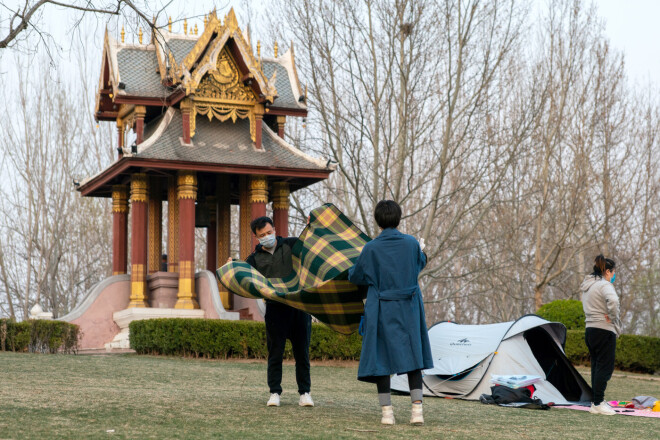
{"x": 414, "y": 383}
{"x": 602, "y": 346}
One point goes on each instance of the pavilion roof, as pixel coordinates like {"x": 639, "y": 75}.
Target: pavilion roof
{"x": 226, "y": 143}
{"x": 165, "y": 66}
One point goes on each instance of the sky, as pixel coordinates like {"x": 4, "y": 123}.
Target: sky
{"x": 631, "y": 26}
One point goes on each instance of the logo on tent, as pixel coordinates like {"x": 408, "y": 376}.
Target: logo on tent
{"x": 464, "y": 342}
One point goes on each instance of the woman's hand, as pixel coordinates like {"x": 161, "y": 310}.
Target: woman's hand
{"x": 229, "y": 260}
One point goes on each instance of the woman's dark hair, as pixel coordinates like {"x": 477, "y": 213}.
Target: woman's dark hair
{"x": 260, "y": 223}
{"x": 387, "y": 214}
{"x": 602, "y": 264}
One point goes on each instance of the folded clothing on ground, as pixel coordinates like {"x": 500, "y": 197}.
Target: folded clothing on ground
{"x": 514, "y": 381}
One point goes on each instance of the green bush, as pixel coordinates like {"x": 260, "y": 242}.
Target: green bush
{"x": 39, "y": 336}
{"x": 216, "y": 338}
{"x": 633, "y": 352}
{"x": 567, "y": 311}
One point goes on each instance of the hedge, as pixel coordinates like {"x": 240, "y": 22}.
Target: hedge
{"x": 633, "y": 352}
{"x": 216, "y": 338}
{"x": 39, "y": 336}
{"x": 567, "y": 311}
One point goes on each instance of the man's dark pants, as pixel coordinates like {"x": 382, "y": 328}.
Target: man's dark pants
{"x": 282, "y": 323}
{"x": 602, "y": 346}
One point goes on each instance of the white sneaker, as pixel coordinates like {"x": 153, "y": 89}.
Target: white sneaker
{"x": 603, "y": 409}
{"x": 274, "y": 400}
{"x": 388, "y": 415}
{"x": 417, "y": 415}
{"x": 306, "y": 400}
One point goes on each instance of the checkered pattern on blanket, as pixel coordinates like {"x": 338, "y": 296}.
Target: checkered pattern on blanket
{"x": 318, "y": 285}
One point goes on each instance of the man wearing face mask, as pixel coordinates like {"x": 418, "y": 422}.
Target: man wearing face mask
{"x": 272, "y": 258}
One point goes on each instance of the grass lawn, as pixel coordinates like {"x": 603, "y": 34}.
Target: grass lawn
{"x": 67, "y": 396}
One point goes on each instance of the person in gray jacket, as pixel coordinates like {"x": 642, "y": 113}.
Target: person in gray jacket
{"x": 603, "y": 325}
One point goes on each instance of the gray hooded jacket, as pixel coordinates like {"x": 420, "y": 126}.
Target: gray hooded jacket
{"x": 599, "y": 301}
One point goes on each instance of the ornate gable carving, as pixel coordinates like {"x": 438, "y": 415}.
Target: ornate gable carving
{"x": 223, "y": 83}
{"x": 222, "y": 95}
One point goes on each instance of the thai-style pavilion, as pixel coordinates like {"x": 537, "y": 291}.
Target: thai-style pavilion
{"x": 208, "y": 116}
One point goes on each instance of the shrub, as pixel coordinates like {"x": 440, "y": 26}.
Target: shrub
{"x": 567, "y": 311}
{"x": 216, "y": 338}
{"x": 633, "y": 352}
{"x": 39, "y": 336}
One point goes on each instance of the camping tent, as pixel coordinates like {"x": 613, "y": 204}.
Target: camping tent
{"x": 465, "y": 356}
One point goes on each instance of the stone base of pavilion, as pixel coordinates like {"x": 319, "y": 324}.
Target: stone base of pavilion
{"x": 104, "y": 315}
{"x": 124, "y": 317}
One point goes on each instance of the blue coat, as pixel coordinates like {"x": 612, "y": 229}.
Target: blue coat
{"x": 395, "y": 338}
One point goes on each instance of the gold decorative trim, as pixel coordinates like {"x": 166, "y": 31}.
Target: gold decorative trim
{"x": 245, "y": 217}
{"x": 223, "y": 31}
{"x": 212, "y": 203}
{"x": 138, "y": 296}
{"x": 139, "y": 188}
{"x": 222, "y": 113}
{"x": 155, "y": 221}
{"x": 119, "y": 199}
{"x": 186, "y": 297}
{"x": 280, "y": 195}
{"x": 172, "y": 226}
{"x": 223, "y": 96}
{"x": 186, "y": 185}
{"x": 202, "y": 42}
{"x": 258, "y": 189}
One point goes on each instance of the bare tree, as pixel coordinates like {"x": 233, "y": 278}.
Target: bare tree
{"x": 19, "y": 19}
{"x": 54, "y": 245}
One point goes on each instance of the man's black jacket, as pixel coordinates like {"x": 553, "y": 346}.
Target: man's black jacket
{"x": 275, "y": 265}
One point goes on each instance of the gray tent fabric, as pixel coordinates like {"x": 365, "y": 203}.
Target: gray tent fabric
{"x": 465, "y": 357}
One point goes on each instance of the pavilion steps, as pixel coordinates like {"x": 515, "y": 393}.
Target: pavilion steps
{"x": 245, "y": 315}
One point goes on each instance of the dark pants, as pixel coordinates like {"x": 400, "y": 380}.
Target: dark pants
{"x": 282, "y": 323}
{"x": 602, "y": 346}
{"x": 414, "y": 383}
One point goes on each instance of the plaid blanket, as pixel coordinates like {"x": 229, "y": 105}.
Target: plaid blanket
{"x": 318, "y": 285}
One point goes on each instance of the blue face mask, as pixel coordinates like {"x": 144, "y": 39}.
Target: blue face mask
{"x": 613, "y": 278}
{"x": 268, "y": 241}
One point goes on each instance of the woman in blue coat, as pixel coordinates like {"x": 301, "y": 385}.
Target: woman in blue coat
{"x": 395, "y": 339}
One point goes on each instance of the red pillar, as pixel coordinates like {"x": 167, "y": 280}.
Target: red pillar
{"x": 280, "y": 197}
{"x": 186, "y": 193}
{"x": 120, "y": 138}
{"x": 186, "y": 109}
{"x": 119, "y": 229}
{"x": 258, "y": 123}
{"x": 139, "y": 199}
{"x": 140, "y": 113}
{"x": 281, "y": 120}
{"x": 258, "y": 199}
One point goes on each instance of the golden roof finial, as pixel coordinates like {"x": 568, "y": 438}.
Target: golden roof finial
{"x": 206, "y": 21}
{"x": 169, "y": 24}
{"x": 275, "y": 48}
{"x": 195, "y": 28}
{"x": 123, "y": 34}
{"x": 185, "y": 26}
{"x": 140, "y": 35}
{"x": 259, "y": 49}
{"x": 230, "y": 21}
{"x": 305, "y": 93}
